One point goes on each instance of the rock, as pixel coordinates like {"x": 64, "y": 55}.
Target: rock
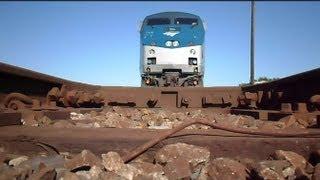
{"x": 225, "y": 168}
{"x": 177, "y": 116}
{"x": 63, "y": 124}
{"x": 297, "y": 121}
{"x": 268, "y": 125}
{"x": 124, "y": 112}
{"x": 288, "y": 120}
{"x": 300, "y": 174}
{"x": 100, "y": 118}
{"x": 315, "y": 99}
{"x": 96, "y": 125}
{"x": 29, "y": 119}
{"x": 79, "y": 116}
{"x": 116, "y": 109}
{"x": 47, "y": 173}
{"x": 111, "y": 119}
{"x": 145, "y": 157}
{"x": 112, "y": 161}
{"x": 156, "y": 121}
{"x": 203, "y": 174}
{"x": 83, "y": 175}
{"x": 66, "y": 155}
{"x": 145, "y": 111}
{"x": 303, "y": 122}
{"x": 269, "y": 174}
{"x": 76, "y": 116}
{"x": 289, "y": 171}
{"x": 61, "y": 172}
{"x": 151, "y": 120}
{"x": 85, "y": 158}
{"x": 128, "y": 171}
{"x": 274, "y": 169}
{"x": 163, "y": 114}
{"x": 236, "y": 120}
{"x": 70, "y": 176}
{"x": 178, "y": 169}
{"x": 316, "y": 173}
{"x": 196, "y": 156}
{"x": 232, "y": 119}
{"x": 295, "y": 159}
{"x": 193, "y": 154}
{"x": 45, "y": 121}
{"x": 197, "y": 114}
{"x": 114, "y": 120}
{"x": 93, "y": 113}
{"x": 54, "y": 161}
{"x": 124, "y": 122}
{"x": 17, "y": 172}
{"x": 247, "y": 162}
{"x": 136, "y": 115}
{"x": 111, "y": 116}
{"x": 148, "y": 171}
{"x": 309, "y": 168}
{"x": 246, "y": 122}
{"x": 93, "y": 173}
{"x": 17, "y": 161}
{"x": 110, "y": 176}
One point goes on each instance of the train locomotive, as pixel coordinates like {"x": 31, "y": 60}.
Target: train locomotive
{"x": 172, "y": 50}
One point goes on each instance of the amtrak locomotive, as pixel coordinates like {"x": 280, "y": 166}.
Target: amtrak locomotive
{"x": 172, "y": 50}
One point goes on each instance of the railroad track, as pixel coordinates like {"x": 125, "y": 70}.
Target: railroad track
{"x": 41, "y": 114}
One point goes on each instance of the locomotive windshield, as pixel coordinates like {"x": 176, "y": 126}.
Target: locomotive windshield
{"x": 158, "y": 21}
{"x": 188, "y": 21}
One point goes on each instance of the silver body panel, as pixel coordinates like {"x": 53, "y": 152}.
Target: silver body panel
{"x": 171, "y": 58}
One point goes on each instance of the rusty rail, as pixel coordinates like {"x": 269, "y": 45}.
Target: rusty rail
{"x": 139, "y": 150}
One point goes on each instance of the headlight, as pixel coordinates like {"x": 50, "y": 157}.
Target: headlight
{"x": 175, "y": 43}
{"x": 151, "y": 51}
{"x": 194, "y": 62}
{"x": 169, "y": 43}
{"x": 151, "y": 61}
{"x": 192, "y": 51}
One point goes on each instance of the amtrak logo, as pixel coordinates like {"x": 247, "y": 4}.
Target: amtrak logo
{"x": 171, "y": 33}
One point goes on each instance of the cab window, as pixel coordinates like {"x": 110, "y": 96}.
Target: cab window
{"x": 188, "y": 21}
{"x": 158, "y": 21}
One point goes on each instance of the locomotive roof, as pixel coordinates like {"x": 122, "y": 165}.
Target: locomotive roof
{"x": 173, "y": 15}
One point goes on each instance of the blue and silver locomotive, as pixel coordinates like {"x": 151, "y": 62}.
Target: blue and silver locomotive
{"x": 172, "y": 50}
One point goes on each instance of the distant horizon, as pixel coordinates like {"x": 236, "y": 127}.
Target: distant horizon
{"x": 98, "y": 42}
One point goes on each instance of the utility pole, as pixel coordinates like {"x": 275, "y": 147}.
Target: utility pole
{"x": 252, "y": 42}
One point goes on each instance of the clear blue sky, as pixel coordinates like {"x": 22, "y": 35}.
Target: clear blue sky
{"x": 98, "y": 42}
